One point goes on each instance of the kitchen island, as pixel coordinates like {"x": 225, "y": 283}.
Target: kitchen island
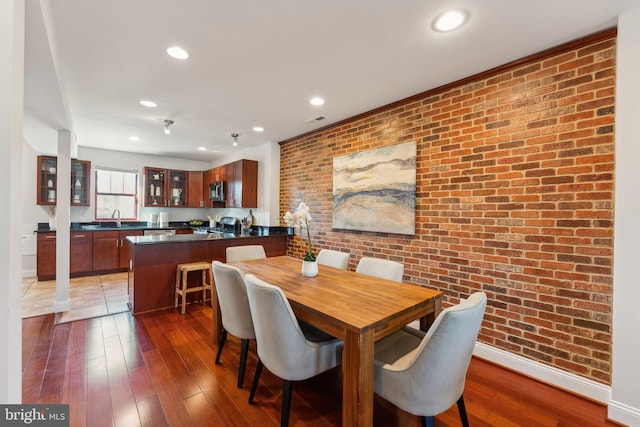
{"x": 153, "y": 261}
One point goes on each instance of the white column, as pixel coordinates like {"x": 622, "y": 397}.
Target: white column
{"x": 624, "y": 406}
{"x": 63, "y": 212}
{"x": 11, "y": 113}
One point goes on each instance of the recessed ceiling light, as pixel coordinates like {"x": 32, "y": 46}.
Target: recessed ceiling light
{"x": 134, "y": 138}
{"x": 177, "y": 52}
{"x": 148, "y": 103}
{"x": 317, "y": 101}
{"x": 450, "y": 20}
{"x": 258, "y": 129}
{"x": 202, "y": 148}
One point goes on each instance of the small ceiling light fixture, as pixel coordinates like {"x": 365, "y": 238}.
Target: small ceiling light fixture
{"x": 148, "y": 103}
{"x": 134, "y": 138}
{"x": 317, "y": 101}
{"x": 202, "y": 148}
{"x": 177, "y": 52}
{"x": 235, "y": 139}
{"x": 167, "y": 123}
{"x": 450, "y": 20}
{"x": 258, "y": 129}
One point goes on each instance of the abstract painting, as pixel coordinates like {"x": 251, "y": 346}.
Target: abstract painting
{"x": 375, "y": 190}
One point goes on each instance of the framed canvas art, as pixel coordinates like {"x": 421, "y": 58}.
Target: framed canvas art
{"x": 375, "y": 190}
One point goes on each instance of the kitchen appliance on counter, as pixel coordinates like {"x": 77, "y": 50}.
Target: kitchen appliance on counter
{"x": 216, "y": 191}
{"x": 163, "y": 219}
{"x": 227, "y": 224}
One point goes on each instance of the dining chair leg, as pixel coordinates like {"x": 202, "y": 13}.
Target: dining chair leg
{"x": 244, "y": 350}
{"x": 463, "y": 412}
{"x": 428, "y": 421}
{"x": 223, "y": 339}
{"x": 256, "y": 378}
{"x": 286, "y": 403}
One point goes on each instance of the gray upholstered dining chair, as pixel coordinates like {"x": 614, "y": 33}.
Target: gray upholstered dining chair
{"x": 383, "y": 268}
{"x": 282, "y": 345}
{"x": 234, "y": 310}
{"x": 244, "y": 253}
{"x": 424, "y": 374}
{"x": 333, "y": 258}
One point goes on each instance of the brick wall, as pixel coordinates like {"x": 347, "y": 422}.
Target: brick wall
{"x": 514, "y": 197}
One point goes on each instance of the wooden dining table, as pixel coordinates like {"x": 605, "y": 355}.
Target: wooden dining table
{"x": 357, "y": 308}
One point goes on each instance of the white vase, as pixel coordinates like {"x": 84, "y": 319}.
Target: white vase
{"x": 309, "y": 268}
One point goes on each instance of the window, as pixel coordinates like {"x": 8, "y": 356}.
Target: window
{"x": 116, "y": 189}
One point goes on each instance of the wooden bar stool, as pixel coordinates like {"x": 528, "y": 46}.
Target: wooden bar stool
{"x": 182, "y": 288}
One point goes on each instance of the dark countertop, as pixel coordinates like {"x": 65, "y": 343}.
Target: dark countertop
{"x": 43, "y": 227}
{"x": 183, "y": 238}
{"x": 202, "y": 231}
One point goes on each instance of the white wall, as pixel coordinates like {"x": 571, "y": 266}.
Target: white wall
{"x": 11, "y": 107}
{"x": 625, "y": 400}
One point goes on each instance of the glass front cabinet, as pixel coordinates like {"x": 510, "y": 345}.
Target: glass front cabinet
{"x": 165, "y": 188}
{"x": 47, "y": 181}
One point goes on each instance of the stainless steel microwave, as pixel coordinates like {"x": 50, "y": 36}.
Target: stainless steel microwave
{"x": 216, "y": 191}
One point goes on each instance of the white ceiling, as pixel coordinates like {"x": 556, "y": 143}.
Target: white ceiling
{"x": 257, "y": 62}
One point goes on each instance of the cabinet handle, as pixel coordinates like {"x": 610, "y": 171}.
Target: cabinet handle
{"x": 78, "y": 236}
{"x": 117, "y": 243}
{"x": 49, "y": 237}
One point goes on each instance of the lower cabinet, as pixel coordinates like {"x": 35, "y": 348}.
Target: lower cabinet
{"x": 81, "y": 257}
{"x": 124, "y": 248}
{"x": 89, "y": 251}
{"x": 46, "y": 256}
{"x": 81, "y": 252}
{"x": 106, "y": 250}
{"x": 110, "y": 250}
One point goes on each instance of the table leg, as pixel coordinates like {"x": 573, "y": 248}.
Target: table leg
{"x": 357, "y": 385}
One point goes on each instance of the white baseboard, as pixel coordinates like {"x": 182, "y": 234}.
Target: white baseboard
{"x": 554, "y": 376}
{"x": 29, "y": 273}
{"x": 625, "y": 414}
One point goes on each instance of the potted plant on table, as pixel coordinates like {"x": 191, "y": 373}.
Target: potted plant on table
{"x": 300, "y": 219}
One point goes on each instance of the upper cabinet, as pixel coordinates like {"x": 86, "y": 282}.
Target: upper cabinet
{"x": 195, "y": 197}
{"x": 165, "y": 188}
{"x": 47, "y": 181}
{"x": 242, "y": 184}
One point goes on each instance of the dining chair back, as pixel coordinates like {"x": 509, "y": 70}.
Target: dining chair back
{"x": 245, "y": 253}
{"x": 333, "y": 258}
{"x": 234, "y": 311}
{"x": 383, "y": 268}
{"x": 282, "y": 345}
{"x": 424, "y": 374}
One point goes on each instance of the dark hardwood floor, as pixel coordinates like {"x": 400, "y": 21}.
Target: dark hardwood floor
{"x": 158, "y": 369}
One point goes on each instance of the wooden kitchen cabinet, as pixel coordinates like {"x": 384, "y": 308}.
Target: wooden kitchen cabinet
{"x": 124, "y": 248}
{"x": 165, "y": 188}
{"x": 106, "y": 250}
{"x": 47, "y": 181}
{"x": 242, "y": 184}
{"x": 46, "y": 256}
{"x": 195, "y": 195}
{"x": 81, "y": 254}
{"x": 110, "y": 249}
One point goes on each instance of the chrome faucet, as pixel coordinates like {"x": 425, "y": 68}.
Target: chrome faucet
{"x": 113, "y": 215}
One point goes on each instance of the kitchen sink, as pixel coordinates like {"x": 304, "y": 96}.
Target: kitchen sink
{"x": 91, "y": 227}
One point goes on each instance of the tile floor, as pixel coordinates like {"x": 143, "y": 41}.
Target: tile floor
{"x": 91, "y": 296}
